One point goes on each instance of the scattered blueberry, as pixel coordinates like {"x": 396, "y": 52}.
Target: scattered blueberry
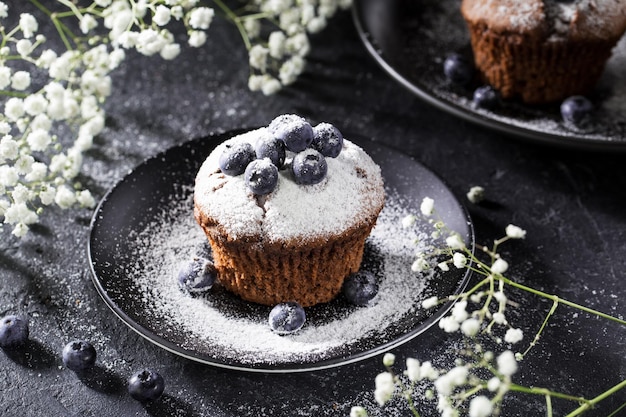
{"x": 13, "y": 332}
{"x": 309, "y": 167}
{"x": 198, "y": 275}
{"x": 486, "y": 97}
{"x": 268, "y": 146}
{"x": 236, "y": 157}
{"x": 296, "y": 132}
{"x": 261, "y": 176}
{"x": 287, "y": 318}
{"x": 146, "y": 385}
{"x": 576, "y": 110}
{"x": 79, "y": 355}
{"x": 359, "y": 288}
{"x": 327, "y": 139}
{"x": 458, "y": 69}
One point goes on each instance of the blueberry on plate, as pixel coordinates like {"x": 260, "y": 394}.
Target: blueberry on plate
{"x": 576, "y": 110}
{"x": 286, "y": 318}
{"x": 13, "y": 331}
{"x": 458, "y": 69}
{"x": 293, "y": 130}
{"x": 270, "y": 147}
{"x": 79, "y": 355}
{"x": 236, "y": 157}
{"x": 261, "y": 176}
{"x": 146, "y": 385}
{"x": 327, "y": 139}
{"x": 197, "y": 275}
{"x": 309, "y": 167}
{"x": 486, "y": 97}
{"x": 359, "y": 288}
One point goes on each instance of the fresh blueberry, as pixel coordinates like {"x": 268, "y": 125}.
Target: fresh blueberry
{"x": 261, "y": 176}
{"x": 146, "y": 385}
{"x": 309, "y": 167}
{"x": 576, "y": 110}
{"x": 287, "y": 318}
{"x": 296, "y": 132}
{"x": 268, "y": 146}
{"x": 236, "y": 157}
{"x": 327, "y": 139}
{"x": 458, "y": 69}
{"x": 198, "y": 275}
{"x": 359, "y": 288}
{"x": 13, "y": 332}
{"x": 79, "y": 355}
{"x": 486, "y": 97}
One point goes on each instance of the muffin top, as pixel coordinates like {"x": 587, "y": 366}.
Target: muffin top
{"x": 551, "y": 19}
{"x": 351, "y": 193}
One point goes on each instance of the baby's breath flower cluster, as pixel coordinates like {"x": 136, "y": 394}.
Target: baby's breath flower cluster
{"x": 54, "y": 100}
{"x": 479, "y": 380}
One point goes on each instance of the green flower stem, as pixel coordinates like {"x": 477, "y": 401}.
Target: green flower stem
{"x": 590, "y": 403}
{"x": 555, "y": 304}
{"x": 235, "y": 19}
{"x": 545, "y": 392}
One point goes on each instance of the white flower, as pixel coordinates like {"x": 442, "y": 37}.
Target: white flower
{"x": 201, "y": 17}
{"x": 298, "y": 44}
{"x": 150, "y": 42}
{"x": 24, "y": 164}
{"x": 170, "y": 51}
{"x": 35, "y": 104}
{"x": 276, "y": 44}
{"x": 515, "y": 232}
{"x": 430, "y": 302}
{"x": 427, "y": 207}
{"x": 38, "y": 140}
{"x": 455, "y": 242}
{"x": 87, "y": 23}
{"x": 20, "y": 213}
{"x": 8, "y": 176}
{"x": 448, "y": 324}
{"x": 420, "y": 265}
{"x": 358, "y": 411}
{"x": 428, "y": 372}
{"x": 14, "y": 108}
{"x": 291, "y": 69}
{"x": 513, "y": 336}
{"x": 5, "y": 77}
{"x": 24, "y": 47}
{"x": 38, "y": 171}
{"x": 443, "y": 266}
{"x": 28, "y": 24}
{"x": 470, "y": 327}
{"x": 20, "y": 80}
{"x": 197, "y": 38}
{"x": 389, "y": 359}
{"x": 499, "y": 318}
{"x": 459, "y": 260}
{"x": 408, "y": 221}
{"x": 8, "y": 148}
{"x": 252, "y": 28}
{"x": 4, "y": 10}
{"x": 20, "y": 194}
{"x": 446, "y": 383}
{"x": 162, "y": 15}
{"x": 255, "y": 82}
{"x": 258, "y": 57}
{"x": 47, "y": 196}
{"x": 65, "y": 197}
{"x": 493, "y": 384}
{"x": 85, "y": 199}
{"x": 270, "y": 85}
{"x": 507, "y": 365}
{"x": 500, "y": 297}
{"x": 385, "y": 386}
{"x": 317, "y": 24}
{"x": 413, "y": 369}
{"x": 476, "y": 194}
{"x": 480, "y": 406}
{"x": 499, "y": 266}
{"x": 177, "y": 12}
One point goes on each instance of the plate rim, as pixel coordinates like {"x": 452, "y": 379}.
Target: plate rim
{"x": 535, "y": 136}
{"x": 283, "y": 368}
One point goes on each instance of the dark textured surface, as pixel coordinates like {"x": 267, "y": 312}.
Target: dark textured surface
{"x": 570, "y": 202}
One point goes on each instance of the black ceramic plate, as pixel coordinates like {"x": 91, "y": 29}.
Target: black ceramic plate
{"x": 146, "y": 221}
{"x": 410, "y": 39}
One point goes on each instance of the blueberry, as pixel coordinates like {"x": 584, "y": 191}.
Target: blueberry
{"x": 486, "y": 97}
{"x": 198, "y": 275}
{"x": 296, "y": 132}
{"x": 146, "y": 385}
{"x": 576, "y": 110}
{"x": 287, "y": 318}
{"x": 13, "y": 332}
{"x": 359, "y": 288}
{"x": 327, "y": 139}
{"x": 309, "y": 167}
{"x": 261, "y": 176}
{"x": 236, "y": 157}
{"x": 458, "y": 69}
{"x": 79, "y": 355}
{"x": 268, "y": 146}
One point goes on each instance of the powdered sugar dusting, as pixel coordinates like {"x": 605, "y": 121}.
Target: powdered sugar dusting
{"x": 239, "y": 330}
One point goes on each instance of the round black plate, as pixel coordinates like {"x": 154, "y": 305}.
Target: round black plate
{"x": 410, "y": 39}
{"x": 147, "y": 218}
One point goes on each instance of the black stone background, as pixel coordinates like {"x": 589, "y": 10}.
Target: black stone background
{"x": 571, "y": 202}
